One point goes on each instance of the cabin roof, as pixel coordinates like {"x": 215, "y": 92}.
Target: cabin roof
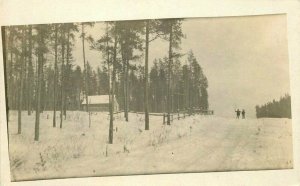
{"x": 97, "y": 99}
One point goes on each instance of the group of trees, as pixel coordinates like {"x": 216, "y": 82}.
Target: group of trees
{"x": 41, "y": 73}
{"x": 188, "y": 85}
{"x": 38, "y": 65}
{"x": 275, "y": 109}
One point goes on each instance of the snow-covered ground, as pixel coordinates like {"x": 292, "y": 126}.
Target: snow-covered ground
{"x": 194, "y": 144}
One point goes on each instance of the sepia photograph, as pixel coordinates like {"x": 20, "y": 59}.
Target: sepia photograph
{"x": 152, "y": 96}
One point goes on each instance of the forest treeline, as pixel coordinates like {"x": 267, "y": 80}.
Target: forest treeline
{"x": 275, "y": 109}
{"x": 183, "y": 97}
{"x": 42, "y": 74}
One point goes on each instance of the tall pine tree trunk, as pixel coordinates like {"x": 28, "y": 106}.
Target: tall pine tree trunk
{"x": 172, "y": 89}
{"x": 112, "y": 90}
{"x": 5, "y": 59}
{"x": 86, "y": 75}
{"x": 190, "y": 86}
{"x": 40, "y": 64}
{"x": 38, "y": 100}
{"x": 125, "y": 75}
{"x": 67, "y": 64}
{"x": 124, "y": 82}
{"x": 30, "y": 72}
{"x": 146, "y": 78}
{"x": 62, "y": 76}
{"x": 169, "y": 74}
{"x": 25, "y": 76}
{"x": 55, "y": 76}
{"x": 10, "y": 72}
{"x": 126, "y": 90}
{"x": 25, "y": 83}
{"x": 22, "y": 61}
{"x": 108, "y": 61}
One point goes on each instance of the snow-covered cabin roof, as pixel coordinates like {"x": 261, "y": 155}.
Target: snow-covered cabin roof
{"x": 97, "y": 99}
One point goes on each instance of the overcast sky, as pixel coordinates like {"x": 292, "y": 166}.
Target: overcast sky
{"x": 244, "y": 58}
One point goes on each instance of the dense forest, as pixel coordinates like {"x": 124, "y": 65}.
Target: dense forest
{"x": 42, "y": 74}
{"x": 275, "y": 109}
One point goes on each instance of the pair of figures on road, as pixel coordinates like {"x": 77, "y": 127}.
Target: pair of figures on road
{"x": 238, "y": 113}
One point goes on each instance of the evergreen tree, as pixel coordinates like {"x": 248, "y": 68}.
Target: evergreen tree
{"x": 112, "y": 87}
{"x": 30, "y": 71}
{"x": 55, "y": 72}
{"x": 42, "y": 34}
{"x": 129, "y": 40}
{"x": 172, "y": 28}
{"x": 198, "y": 84}
{"x": 151, "y": 27}
{"x": 85, "y": 67}
{"x": 62, "y": 80}
{"x": 21, "y": 77}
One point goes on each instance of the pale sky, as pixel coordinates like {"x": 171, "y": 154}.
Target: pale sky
{"x": 244, "y": 58}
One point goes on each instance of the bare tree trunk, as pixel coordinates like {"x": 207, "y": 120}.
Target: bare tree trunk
{"x": 155, "y": 98}
{"x": 169, "y": 74}
{"x": 146, "y": 77}
{"x": 43, "y": 93}
{"x": 172, "y": 89}
{"x": 38, "y": 88}
{"x": 10, "y": 45}
{"x": 30, "y": 79}
{"x": 112, "y": 89}
{"x": 55, "y": 76}
{"x": 86, "y": 75}
{"x": 25, "y": 77}
{"x": 62, "y": 77}
{"x": 125, "y": 75}
{"x": 190, "y": 86}
{"x": 126, "y": 90}
{"x": 124, "y": 84}
{"x": 38, "y": 98}
{"x": 5, "y": 60}
{"x": 67, "y": 63}
{"x": 108, "y": 61}
{"x": 21, "y": 83}
{"x": 10, "y": 85}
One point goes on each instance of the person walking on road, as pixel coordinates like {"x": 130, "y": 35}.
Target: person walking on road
{"x": 243, "y": 114}
{"x": 238, "y": 113}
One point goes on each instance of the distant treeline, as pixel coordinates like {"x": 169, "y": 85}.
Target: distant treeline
{"x": 275, "y": 109}
{"x": 188, "y": 86}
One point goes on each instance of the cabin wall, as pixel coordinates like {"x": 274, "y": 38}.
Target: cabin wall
{"x": 100, "y": 107}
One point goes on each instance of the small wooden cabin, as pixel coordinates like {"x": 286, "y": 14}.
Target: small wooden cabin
{"x": 99, "y": 103}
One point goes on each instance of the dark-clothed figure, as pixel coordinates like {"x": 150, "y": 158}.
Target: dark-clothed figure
{"x": 243, "y": 114}
{"x": 238, "y": 113}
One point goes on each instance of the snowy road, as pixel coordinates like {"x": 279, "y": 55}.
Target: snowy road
{"x": 194, "y": 144}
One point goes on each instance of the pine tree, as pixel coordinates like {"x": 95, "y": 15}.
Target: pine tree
{"x": 30, "y": 71}
{"x": 112, "y": 88}
{"x": 130, "y": 40}
{"x": 41, "y": 51}
{"x": 198, "y": 84}
{"x": 55, "y": 72}
{"x": 62, "y": 80}
{"x": 71, "y": 28}
{"x": 21, "y": 80}
{"x": 173, "y": 31}
{"x": 85, "y": 69}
